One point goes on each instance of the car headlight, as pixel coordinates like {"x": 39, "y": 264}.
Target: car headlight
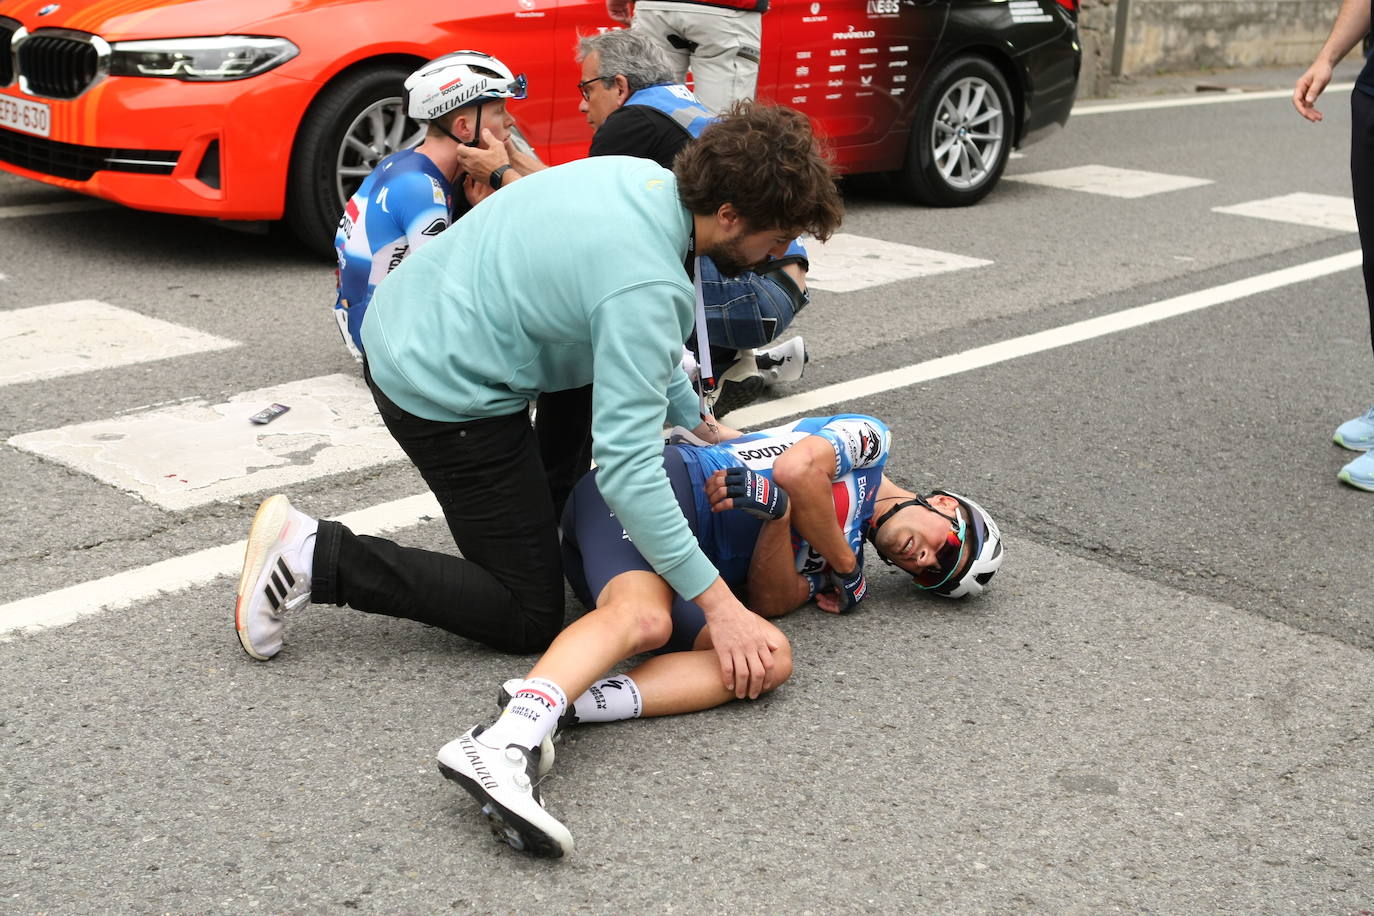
{"x": 217, "y": 58}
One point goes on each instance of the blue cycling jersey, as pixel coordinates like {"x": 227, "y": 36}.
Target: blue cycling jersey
{"x": 861, "y": 445}
{"x": 404, "y": 203}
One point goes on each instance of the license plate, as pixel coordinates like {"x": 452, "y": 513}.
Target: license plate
{"x": 23, "y": 115}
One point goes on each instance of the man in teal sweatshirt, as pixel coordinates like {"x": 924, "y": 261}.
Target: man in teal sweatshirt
{"x": 575, "y": 275}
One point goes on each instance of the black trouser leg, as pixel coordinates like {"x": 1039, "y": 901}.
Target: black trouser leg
{"x": 563, "y": 424}
{"x": 1362, "y": 186}
{"x": 507, "y": 589}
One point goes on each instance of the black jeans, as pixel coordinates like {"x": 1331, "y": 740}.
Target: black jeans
{"x": 563, "y": 425}
{"x": 1362, "y": 186}
{"x": 507, "y": 589}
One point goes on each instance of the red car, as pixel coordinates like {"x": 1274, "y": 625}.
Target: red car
{"x": 272, "y": 109}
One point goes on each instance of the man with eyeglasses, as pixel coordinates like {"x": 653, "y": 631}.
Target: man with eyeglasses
{"x": 779, "y": 512}
{"x": 408, "y": 199}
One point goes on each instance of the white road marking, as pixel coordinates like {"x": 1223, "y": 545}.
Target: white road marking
{"x": 70, "y": 206}
{"x": 1323, "y": 211}
{"x": 195, "y": 453}
{"x": 66, "y": 338}
{"x": 849, "y": 262}
{"x": 1211, "y": 98}
{"x": 979, "y": 357}
{"x": 121, "y": 590}
{"x": 1111, "y": 181}
{"x": 145, "y": 583}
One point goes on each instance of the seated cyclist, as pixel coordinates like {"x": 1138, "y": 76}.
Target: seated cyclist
{"x": 783, "y": 514}
{"x": 408, "y": 199}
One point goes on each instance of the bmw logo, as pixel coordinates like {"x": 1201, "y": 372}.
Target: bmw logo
{"x": 50, "y": 8}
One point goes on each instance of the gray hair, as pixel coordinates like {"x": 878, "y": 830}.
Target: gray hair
{"x": 628, "y": 53}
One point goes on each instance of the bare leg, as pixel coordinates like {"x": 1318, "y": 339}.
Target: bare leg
{"x": 682, "y": 682}
{"x": 632, "y": 616}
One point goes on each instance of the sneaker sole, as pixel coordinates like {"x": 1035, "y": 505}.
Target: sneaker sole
{"x": 506, "y": 825}
{"x": 737, "y": 394}
{"x": 1346, "y": 478}
{"x": 1357, "y": 447}
{"x": 262, "y": 537}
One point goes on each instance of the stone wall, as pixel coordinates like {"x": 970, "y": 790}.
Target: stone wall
{"x": 1162, "y": 36}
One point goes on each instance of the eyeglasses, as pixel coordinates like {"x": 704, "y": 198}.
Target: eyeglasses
{"x": 582, "y": 86}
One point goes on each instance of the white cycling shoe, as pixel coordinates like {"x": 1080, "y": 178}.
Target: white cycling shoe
{"x": 506, "y": 783}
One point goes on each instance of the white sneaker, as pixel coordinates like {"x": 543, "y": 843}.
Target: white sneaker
{"x": 276, "y": 574}
{"x": 506, "y": 783}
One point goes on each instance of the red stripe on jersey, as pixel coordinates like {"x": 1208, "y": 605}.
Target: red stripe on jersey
{"x": 840, "y": 494}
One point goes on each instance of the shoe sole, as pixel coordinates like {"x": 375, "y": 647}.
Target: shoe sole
{"x": 262, "y": 537}
{"x": 1357, "y": 484}
{"x": 1354, "y": 448}
{"x": 506, "y": 825}
{"x": 737, "y": 394}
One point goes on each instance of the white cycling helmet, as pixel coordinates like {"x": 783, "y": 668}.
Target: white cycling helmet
{"x": 984, "y": 542}
{"x": 457, "y": 80}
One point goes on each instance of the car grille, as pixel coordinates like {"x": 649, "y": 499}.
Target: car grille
{"x": 79, "y": 163}
{"x": 7, "y": 29}
{"x": 56, "y": 66}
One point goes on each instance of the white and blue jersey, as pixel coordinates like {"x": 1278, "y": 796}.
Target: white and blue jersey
{"x": 861, "y": 445}
{"x": 596, "y": 548}
{"x": 404, "y": 203}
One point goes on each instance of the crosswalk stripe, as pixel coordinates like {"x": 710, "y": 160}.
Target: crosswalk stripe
{"x": 1321, "y": 211}
{"x": 195, "y": 453}
{"x": 199, "y": 568}
{"x": 67, "y": 338}
{"x": 1110, "y": 181}
{"x": 850, "y": 262}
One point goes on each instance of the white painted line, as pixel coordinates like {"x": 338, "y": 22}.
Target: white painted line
{"x": 121, "y": 590}
{"x": 1322, "y": 211}
{"x": 47, "y": 341}
{"x": 1211, "y": 98}
{"x": 72, "y": 206}
{"x": 850, "y": 262}
{"x": 145, "y": 583}
{"x": 979, "y": 357}
{"x": 195, "y": 453}
{"x": 1109, "y": 180}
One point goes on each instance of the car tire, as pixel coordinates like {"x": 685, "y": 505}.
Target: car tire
{"x": 326, "y": 168}
{"x": 961, "y": 136}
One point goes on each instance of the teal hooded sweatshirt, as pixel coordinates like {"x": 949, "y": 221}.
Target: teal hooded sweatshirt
{"x": 571, "y": 275}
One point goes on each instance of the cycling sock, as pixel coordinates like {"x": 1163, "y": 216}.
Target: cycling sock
{"x": 610, "y": 699}
{"x": 530, "y": 715}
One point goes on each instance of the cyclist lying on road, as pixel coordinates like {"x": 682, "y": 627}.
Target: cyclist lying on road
{"x": 782, "y": 513}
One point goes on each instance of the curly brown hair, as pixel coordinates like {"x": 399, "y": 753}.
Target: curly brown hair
{"x": 766, "y": 162}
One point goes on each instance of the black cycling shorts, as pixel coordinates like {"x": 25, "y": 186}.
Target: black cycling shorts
{"x": 595, "y": 549}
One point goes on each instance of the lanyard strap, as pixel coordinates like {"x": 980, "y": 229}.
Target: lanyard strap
{"x": 706, "y": 377}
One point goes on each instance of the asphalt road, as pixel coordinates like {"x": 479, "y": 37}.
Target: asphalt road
{"x": 1162, "y": 704}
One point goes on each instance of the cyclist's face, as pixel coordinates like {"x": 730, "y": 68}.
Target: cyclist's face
{"x": 497, "y": 119}
{"x": 913, "y": 538}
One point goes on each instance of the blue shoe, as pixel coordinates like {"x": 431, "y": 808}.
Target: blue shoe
{"x": 1360, "y": 472}
{"x": 1357, "y": 434}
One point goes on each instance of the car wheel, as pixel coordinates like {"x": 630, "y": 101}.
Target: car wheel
{"x": 961, "y": 137}
{"x": 354, "y": 124}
